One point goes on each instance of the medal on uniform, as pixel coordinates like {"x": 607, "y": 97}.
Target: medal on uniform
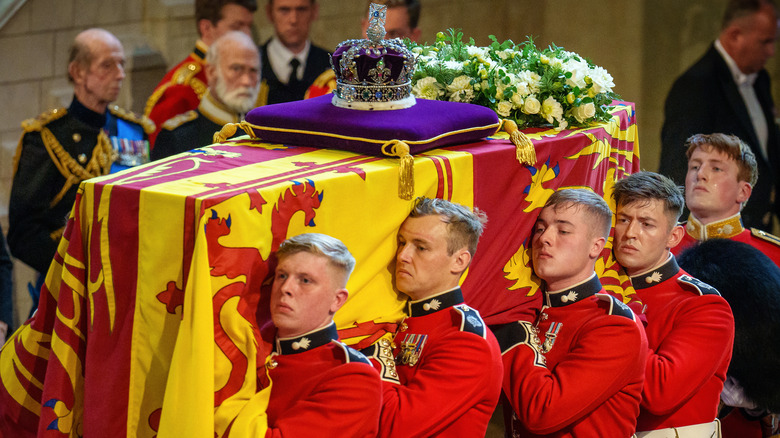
{"x": 549, "y": 337}
{"x": 411, "y": 349}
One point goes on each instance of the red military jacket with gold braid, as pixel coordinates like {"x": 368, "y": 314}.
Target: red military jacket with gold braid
{"x": 690, "y": 332}
{"x": 179, "y": 91}
{"x": 729, "y": 228}
{"x": 578, "y": 372}
{"x": 442, "y": 377}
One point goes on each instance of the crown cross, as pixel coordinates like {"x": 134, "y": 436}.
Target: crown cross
{"x": 376, "y": 22}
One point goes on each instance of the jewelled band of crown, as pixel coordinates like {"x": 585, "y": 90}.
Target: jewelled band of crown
{"x": 376, "y": 22}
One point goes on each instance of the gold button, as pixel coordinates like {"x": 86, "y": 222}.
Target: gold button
{"x": 82, "y": 158}
{"x": 76, "y": 137}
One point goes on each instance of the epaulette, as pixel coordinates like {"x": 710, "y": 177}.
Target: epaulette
{"x": 517, "y": 333}
{"x": 763, "y": 235}
{"x": 509, "y": 335}
{"x": 37, "y": 123}
{"x": 697, "y": 286}
{"x": 184, "y": 74}
{"x": 179, "y": 120}
{"x": 144, "y": 121}
{"x": 471, "y": 321}
{"x": 352, "y": 355}
{"x": 616, "y": 307}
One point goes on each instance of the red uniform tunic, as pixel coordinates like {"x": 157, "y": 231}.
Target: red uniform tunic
{"x": 443, "y": 376}
{"x": 579, "y": 372}
{"x": 179, "y": 91}
{"x": 690, "y": 334}
{"x": 321, "y": 387}
{"x": 730, "y": 228}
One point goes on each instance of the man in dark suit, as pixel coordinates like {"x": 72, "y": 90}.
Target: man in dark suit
{"x": 291, "y": 63}
{"x": 233, "y": 75}
{"x": 728, "y": 91}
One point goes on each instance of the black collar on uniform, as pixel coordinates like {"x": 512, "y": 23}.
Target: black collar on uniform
{"x": 435, "y": 303}
{"x": 578, "y": 292}
{"x": 307, "y": 341}
{"x": 86, "y": 115}
{"x": 650, "y": 278}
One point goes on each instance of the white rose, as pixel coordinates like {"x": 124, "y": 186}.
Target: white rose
{"x": 562, "y": 124}
{"x": 584, "y": 112}
{"x": 428, "y": 88}
{"x": 531, "y": 105}
{"x": 517, "y": 100}
{"x": 579, "y": 70}
{"x": 551, "y": 109}
{"x": 504, "y": 108}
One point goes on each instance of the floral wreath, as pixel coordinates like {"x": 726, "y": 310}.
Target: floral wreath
{"x": 532, "y": 87}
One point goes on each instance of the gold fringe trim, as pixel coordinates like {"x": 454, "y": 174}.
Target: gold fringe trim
{"x": 524, "y": 148}
{"x": 406, "y": 170}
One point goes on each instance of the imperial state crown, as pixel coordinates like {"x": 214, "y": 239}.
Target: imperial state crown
{"x": 373, "y": 73}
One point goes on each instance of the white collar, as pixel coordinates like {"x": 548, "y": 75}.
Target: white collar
{"x": 739, "y": 77}
{"x": 280, "y": 56}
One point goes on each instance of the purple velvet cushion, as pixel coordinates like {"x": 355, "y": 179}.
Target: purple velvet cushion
{"x": 317, "y": 123}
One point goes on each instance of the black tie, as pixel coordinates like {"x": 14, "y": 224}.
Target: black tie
{"x": 293, "y": 81}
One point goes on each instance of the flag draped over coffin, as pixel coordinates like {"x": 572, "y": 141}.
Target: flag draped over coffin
{"x": 154, "y": 309}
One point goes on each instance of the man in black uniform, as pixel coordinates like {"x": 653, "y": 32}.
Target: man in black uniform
{"x": 63, "y": 147}
{"x": 291, "y": 62}
{"x": 233, "y": 73}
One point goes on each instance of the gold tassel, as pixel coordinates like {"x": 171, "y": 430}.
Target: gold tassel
{"x": 230, "y": 129}
{"x": 406, "y": 170}
{"x": 225, "y": 133}
{"x": 524, "y": 148}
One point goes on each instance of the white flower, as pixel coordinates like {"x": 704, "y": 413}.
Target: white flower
{"x": 531, "y": 105}
{"x": 504, "y": 108}
{"x": 522, "y": 88}
{"x": 551, "y": 109}
{"x": 531, "y": 79}
{"x": 579, "y": 70}
{"x": 517, "y": 100}
{"x": 477, "y": 52}
{"x": 460, "y": 89}
{"x": 455, "y": 66}
{"x": 602, "y": 81}
{"x": 584, "y": 112}
{"x": 562, "y": 124}
{"x": 428, "y": 88}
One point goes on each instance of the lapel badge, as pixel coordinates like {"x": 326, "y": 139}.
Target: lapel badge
{"x": 411, "y": 349}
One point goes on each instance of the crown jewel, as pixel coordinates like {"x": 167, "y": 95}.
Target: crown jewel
{"x": 373, "y": 73}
